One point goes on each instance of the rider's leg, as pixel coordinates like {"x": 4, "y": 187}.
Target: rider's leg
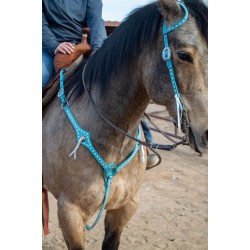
{"x": 152, "y": 159}
{"x": 146, "y": 131}
{"x": 48, "y": 69}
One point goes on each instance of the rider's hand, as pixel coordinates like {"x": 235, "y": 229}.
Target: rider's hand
{"x": 65, "y": 48}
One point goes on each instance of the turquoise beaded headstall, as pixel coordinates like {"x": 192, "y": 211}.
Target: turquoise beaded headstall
{"x": 166, "y": 56}
{"x": 83, "y": 137}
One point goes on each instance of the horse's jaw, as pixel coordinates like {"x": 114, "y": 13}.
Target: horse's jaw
{"x": 197, "y": 142}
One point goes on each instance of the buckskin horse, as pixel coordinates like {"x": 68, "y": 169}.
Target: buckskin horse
{"x": 159, "y": 52}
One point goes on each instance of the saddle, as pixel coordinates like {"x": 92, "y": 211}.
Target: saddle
{"x": 70, "y": 62}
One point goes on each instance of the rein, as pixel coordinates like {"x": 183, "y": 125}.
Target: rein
{"x": 181, "y": 110}
{"x": 144, "y": 143}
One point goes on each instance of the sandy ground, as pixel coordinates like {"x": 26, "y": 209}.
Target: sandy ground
{"x": 173, "y": 213}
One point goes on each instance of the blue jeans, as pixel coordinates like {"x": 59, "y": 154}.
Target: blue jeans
{"x": 146, "y": 131}
{"x": 48, "y": 69}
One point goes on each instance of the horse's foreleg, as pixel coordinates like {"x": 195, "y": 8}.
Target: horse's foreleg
{"x": 72, "y": 224}
{"x": 115, "y": 221}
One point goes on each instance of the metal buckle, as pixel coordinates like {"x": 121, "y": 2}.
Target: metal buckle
{"x": 166, "y": 53}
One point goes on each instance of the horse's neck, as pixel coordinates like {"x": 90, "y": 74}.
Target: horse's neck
{"x": 122, "y": 105}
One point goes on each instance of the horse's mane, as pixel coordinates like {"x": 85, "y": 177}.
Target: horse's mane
{"x": 200, "y": 12}
{"x": 137, "y": 31}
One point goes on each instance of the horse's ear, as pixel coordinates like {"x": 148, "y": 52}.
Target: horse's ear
{"x": 169, "y": 9}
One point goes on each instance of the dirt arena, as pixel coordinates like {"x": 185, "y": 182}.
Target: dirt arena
{"x": 173, "y": 213}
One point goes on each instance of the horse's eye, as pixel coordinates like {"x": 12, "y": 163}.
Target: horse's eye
{"x": 185, "y": 56}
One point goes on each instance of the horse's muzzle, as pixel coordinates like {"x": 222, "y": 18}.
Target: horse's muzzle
{"x": 199, "y": 144}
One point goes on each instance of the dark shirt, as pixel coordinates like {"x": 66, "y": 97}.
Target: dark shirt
{"x": 63, "y": 21}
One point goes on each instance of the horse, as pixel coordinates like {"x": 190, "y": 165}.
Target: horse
{"x": 121, "y": 78}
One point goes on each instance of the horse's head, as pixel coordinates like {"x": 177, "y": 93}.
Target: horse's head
{"x": 189, "y": 48}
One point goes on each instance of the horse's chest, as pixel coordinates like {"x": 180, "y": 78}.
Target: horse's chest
{"x": 123, "y": 188}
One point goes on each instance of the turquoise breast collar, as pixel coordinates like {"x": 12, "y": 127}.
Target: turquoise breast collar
{"x": 83, "y": 138}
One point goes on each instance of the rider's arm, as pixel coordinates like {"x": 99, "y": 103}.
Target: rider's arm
{"x": 95, "y": 23}
{"x": 49, "y": 41}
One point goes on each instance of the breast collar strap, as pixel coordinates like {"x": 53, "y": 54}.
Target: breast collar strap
{"x": 83, "y": 138}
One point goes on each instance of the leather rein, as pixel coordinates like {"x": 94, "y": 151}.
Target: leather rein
{"x": 144, "y": 143}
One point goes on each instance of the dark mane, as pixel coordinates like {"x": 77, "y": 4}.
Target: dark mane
{"x": 200, "y": 12}
{"x": 139, "y": 30}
